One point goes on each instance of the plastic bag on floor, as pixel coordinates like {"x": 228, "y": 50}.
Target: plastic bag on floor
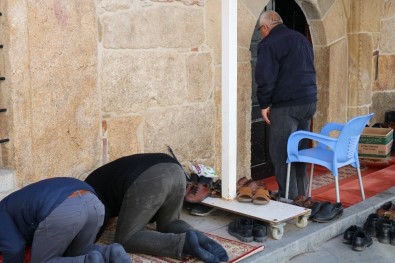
{"x": 204, "y": 170}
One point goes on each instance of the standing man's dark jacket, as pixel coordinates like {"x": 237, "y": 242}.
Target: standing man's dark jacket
{"x": 22, "y": 211}
{"x": 283, "y": 77}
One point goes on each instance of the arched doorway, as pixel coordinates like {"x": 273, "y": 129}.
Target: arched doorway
{"x": 293, "y": 17}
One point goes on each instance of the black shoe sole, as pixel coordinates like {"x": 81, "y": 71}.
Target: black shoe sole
{"x": 359, "y": 249}
{"x": 240, "y": 237}
{"x": 324, "y": 220}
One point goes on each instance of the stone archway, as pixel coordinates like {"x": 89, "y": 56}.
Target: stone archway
{"x": 328, "y": 22}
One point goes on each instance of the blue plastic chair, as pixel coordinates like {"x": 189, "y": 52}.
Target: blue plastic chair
{"x": 330, "y": 152}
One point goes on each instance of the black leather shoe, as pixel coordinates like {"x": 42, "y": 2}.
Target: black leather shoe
{"x": 370, "y": 225}
{"x": 349, "y": 234}
{"x": 328, "y": 212}
{"x": 384, "y": 228}
{"x": 392, "y": 234}
{"x": 259, "y": 232}
{"x": 316, "y": 207}
{"x": 242, "y": 229}
{"x": 361, "y": 240}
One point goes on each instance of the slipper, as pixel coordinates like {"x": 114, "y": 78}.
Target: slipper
{"x": 241, "y": 182}
{"x": 245, "y": 194}
{"x": 299, "y": 200}
{"x": 261, "y": 197}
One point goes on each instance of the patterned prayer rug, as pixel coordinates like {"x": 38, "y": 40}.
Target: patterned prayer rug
{"x": 236, "y": 250}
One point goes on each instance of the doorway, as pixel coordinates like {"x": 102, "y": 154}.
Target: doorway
{"x": 293, "y": 17}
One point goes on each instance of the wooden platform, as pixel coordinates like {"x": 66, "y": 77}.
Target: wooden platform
{"x": 275, "y": 213}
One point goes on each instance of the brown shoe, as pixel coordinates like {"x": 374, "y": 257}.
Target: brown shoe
{"x": 198, "y": 193}
{"x": 386, "y": 207}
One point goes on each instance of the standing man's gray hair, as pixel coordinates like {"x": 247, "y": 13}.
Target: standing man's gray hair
{"x": 270, "y": 18}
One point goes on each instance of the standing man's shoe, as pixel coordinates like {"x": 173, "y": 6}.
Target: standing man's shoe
{"x": 328, "y": 212}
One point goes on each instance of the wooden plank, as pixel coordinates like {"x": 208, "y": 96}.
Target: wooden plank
{"x": 273, "y": 212}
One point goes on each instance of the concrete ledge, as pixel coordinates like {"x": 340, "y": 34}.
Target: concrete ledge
{"x": 298, "y": 241}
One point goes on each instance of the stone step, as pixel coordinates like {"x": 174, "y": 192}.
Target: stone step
{"x": 7, "y": 182}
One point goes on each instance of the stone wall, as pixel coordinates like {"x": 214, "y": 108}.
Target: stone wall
{"x": 90, "y": 81}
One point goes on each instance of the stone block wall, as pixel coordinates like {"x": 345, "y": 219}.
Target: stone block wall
{"x": 90, "y": 81}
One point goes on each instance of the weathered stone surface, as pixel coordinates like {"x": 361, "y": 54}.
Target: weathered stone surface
{"x": 255, "y": 7}
{"x": 113, "y": 6}
{"x": 382, "y": 102}
{"x": 332, "y": 73}
{"x": 318, "y": 34}
{"x": 244, "y": 119}
{"x": 189, "y": 130}
{"x": 389, "y": 8}
{"x": 315, "y": 9}
{"x": 387, "y": 36}
{"x": 137, "y": 80}
{"x": 199, "y": 74}
{"x": 335, "y": 23}
{"x": 386, "y": 76}
{"x": 245, "y": 26}
{"x": 357, "y": 111}
{"x": 168, "y": 27}
{"x": 123, "y": 136}
{"x": 213, "y": 28}
{"x": 360, "y": 69}
{"x": 338, "y": 84}
{"x": 365, "y": 16}
{"x": 218, "y": 117}
{"x": 55, "y": 104}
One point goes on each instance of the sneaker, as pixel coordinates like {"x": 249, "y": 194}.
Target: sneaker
{"x": 201, "y": 210}
{"x": 242, "y": 229}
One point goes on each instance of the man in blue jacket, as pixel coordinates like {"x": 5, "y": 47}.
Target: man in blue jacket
{"x": 59, "y": 218}
{"x": 287, "y": 93}
{"x": 150, "y": 187}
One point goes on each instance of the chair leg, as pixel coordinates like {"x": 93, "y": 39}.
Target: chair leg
{"x": 311, "y": 179}
{"x": 337, "y": 189}
{"x": 287, "y": 183}
{"x": 361, "y": 184}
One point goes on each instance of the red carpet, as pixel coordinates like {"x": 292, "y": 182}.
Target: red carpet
{"x": 377, "y": 177}
{"x": 350, "y": 194}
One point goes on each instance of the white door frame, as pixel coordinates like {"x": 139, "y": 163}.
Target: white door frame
{"x": 229, "y": 98}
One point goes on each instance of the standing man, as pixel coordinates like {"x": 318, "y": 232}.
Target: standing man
{"x": 287, "y": 94}
{"x": 59, "y": 218}
{"x": 150, "y": 187}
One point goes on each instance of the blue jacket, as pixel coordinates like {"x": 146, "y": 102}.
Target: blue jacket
{"x": 22, "y": 211}
{"x": 284, "y": 72}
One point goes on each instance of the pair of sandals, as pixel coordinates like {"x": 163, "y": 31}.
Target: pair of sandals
{"x": 252, "y": 191}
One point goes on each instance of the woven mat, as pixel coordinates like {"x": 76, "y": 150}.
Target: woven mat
{"x": 327, "y": 178}
{"x": 236, "y": 250}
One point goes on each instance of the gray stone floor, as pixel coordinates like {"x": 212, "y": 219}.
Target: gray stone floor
{"x": 317, "y": 242}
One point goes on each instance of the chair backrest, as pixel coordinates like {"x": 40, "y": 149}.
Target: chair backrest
{"x": 347, "y": 144}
